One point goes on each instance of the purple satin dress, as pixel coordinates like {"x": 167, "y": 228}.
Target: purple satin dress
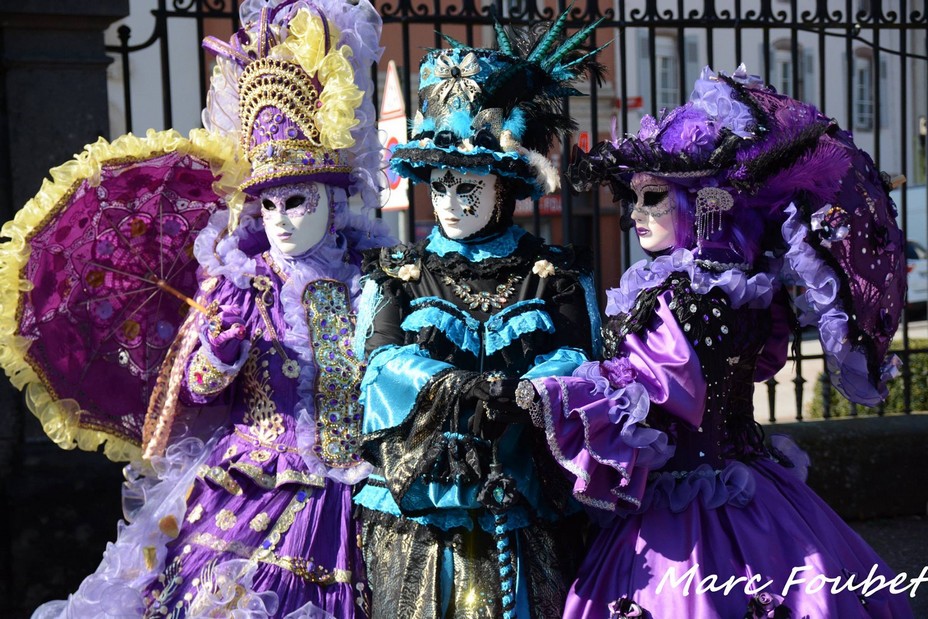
{"x": 255, "y": 498}
{"x": 699, "y": 517}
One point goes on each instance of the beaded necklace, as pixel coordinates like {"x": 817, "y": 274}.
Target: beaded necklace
{"x": 483, "y": 299}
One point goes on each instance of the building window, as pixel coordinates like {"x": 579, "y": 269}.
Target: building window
{"x": 784, "y": 68}
{"x": 667, "y": 72}
{"x": 863, "y": 92}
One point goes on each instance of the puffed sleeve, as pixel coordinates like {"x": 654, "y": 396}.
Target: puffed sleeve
{"x": 667, "y": 365}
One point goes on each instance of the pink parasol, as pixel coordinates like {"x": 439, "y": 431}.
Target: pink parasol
{"x": 105, "y": 284}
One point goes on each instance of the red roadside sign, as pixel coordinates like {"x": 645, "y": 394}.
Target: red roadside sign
{"x": 632, "y": 103}
{"x": 583, "y": 141}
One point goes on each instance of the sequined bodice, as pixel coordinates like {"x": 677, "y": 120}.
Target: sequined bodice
{"x": 273, "y": 380}
{"x": 727, "y": 343}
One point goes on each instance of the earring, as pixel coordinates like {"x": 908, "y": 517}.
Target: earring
{"x": 711, "y": 203}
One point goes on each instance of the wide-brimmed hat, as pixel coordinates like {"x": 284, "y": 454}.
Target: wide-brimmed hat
{"x": 497, "y": 110}
{"x": 752, "y": 154}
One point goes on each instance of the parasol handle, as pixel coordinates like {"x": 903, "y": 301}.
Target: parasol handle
{"x": 163, "y": 285}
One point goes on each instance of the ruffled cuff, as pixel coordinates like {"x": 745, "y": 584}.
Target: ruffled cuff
{"x": 207, "y": 375}
{"x": 597, "y": 433}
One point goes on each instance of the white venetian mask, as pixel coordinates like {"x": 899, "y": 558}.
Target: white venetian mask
{"x": 653, "y": 213}
{"x": 295, "y": 216}
{"x": 463, "y": 203}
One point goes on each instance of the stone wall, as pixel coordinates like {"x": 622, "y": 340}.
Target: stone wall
{"x": 867, "y": 467}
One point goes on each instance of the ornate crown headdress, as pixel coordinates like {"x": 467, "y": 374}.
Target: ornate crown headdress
{"x": 294, "y": 85}
{"x": 498, "y": 110}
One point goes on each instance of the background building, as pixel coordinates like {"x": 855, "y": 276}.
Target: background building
{"x": 865, "y": 63}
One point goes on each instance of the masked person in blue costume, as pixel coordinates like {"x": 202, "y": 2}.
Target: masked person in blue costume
{"x": 465, "y": 515}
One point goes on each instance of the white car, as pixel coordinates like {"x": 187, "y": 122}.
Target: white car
{"x": 917, "y": 265}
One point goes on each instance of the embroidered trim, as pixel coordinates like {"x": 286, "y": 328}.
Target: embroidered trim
{"x": 204, "y": 378}
{"x": 260, "y": 522}
{"x": 220, "y": 477}
{"x": 264, "y": 422}
{"x": 289, "y": 367}
{"x": 305, "y": 569}
{"x": 269, "y": 482}
{"x": 225, "y": 519}
{"x": 259, "y": 443}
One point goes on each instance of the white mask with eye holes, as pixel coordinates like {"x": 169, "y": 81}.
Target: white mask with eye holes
{"x": 296, "y": 217}
{"x": 654, "y": 213}
{"x": 464, "y": 203}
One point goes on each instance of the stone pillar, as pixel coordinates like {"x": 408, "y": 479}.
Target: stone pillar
{"x": 53, "y": 101}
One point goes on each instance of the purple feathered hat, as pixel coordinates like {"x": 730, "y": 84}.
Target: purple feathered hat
{"x": 761, "y": 162}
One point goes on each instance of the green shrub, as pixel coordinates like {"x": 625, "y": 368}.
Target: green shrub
{"x": 895, "y": 403}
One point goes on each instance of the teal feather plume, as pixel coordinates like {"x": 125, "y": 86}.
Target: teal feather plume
{"x": 454, "y": 43}
{"x": 551, "y": 37}
{"x": 502, "y": 39}
{"x": 570, "y": 44}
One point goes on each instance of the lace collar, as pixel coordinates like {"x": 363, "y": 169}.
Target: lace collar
{"x": 499, "y": 246}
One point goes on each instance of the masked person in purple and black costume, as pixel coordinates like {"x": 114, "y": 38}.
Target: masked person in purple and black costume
{"x": 735, "y": 195}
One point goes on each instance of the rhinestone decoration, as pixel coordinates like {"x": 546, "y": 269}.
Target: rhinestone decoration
{"x": 338, "y": 379}
{"x": 483, "y": 299}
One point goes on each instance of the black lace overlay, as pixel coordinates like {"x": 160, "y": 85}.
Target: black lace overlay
{"x": 418, "y": 447}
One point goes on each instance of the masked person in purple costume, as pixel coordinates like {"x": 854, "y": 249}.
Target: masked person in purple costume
{"x": 466, "y": 514}
{"x": 257, "y": 521}
{"x": 730, "y": 194}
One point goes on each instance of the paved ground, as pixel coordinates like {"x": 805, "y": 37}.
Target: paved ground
{"x": 903, "y": 544}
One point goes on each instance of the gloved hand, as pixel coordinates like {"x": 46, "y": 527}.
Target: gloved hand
{"x": 494, "y": 396}
{"x": 493, "y": 388}
{"x": 226, "y": 333}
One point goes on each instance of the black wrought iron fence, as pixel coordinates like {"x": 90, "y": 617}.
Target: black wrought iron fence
{"x": 865, "y": 62}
